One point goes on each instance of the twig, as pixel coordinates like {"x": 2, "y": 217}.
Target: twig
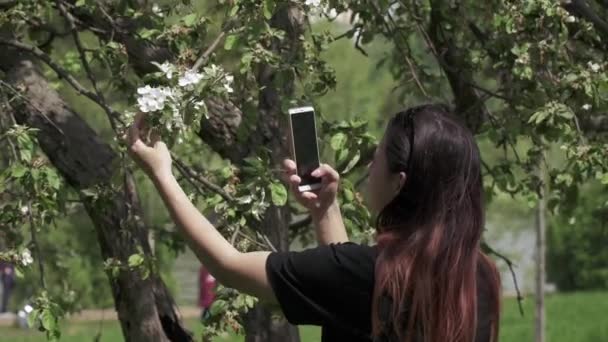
{"x": 204, "y": 181}
{"x": 268, "y": 242}
{"x": 18, "y": 94}
{"x": 489, "y": 92}
{"x": 189, "y": 179}
{"x": 510, "y": 264}
{"x": 392, "y": 33}
{"x": 301, "y": 223}
{"x": 237, "y": 230}
{"x": 61, "y": 72}
{"x": 205, "y": 56}
{"x": 252, "y": 240}
{"x": 68, "y": 16}
{"x": 36, "y": 246}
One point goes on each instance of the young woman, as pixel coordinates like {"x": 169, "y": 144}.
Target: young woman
{"x": 425, "y": 280}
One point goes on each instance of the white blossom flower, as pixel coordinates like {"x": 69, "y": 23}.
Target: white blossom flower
{"x": 228, "y": 83}
{"x": 189, "y": 77}
{"x": 24, "y": 210}
{"x": 594, "y": 66}
{"x": 144, "y": 90}
{"x": 152, "y": 99}
{"x": 199, "y": 104}
{"x": 157, "y": 10}
{"x": 571, "y": 19}
{"x": 167, "y": 68}
{"x": 26, "y": 257}
{"x": 313, "y": 3}
{"x": 586, "y": 106}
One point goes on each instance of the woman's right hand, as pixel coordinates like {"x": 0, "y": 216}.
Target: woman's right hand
{"x": 154, "y": 158}
{"x": 318, "y": 201}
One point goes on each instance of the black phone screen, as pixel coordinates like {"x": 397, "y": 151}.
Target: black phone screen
{"x": 305, "y": 145}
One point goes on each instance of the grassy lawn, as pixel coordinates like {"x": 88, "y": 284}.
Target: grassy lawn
{"x": 579, "y": 317}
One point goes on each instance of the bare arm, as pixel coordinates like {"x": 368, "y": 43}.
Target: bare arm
{"x": 245, "y": 272}
{"x": 329, "y": 226}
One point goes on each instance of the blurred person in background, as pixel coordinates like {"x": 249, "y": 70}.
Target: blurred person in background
{"x": 206, "y": 293}
{"x": 7, "y": 274}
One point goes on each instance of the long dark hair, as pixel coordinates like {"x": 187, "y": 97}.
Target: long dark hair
{"x": 429, "y": 234}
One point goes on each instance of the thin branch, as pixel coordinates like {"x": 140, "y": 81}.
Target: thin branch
{"x": 189, "y": 179}
{"x": 62, "y": 73}
{"x": 490, "y": 92}
{"x": 19, "y": 95}
{"x": 510, "y": 264}
{"x": 204, "y": 181}
{"x": 83, "y": 58}
{"x": 581, "y": 9}
{"x": 205, "y": 56}
{"x": 268, "y": 242}
{"x": 237, "y": 230}
{"x": 36, "y": 246}
{"x": 301, "y": 223}
{"x": 390, "y": 32}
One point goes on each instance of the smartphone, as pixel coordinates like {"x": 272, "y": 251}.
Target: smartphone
{"x": 304, "y": 148}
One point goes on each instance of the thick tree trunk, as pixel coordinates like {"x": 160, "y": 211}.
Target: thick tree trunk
{"x": 145, "y": 308}
{"x": 260, "y": 324}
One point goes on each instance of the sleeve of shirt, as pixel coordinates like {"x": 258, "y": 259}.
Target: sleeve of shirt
{"x": 323, "y": 285}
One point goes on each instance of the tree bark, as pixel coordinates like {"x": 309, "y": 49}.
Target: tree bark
{"x": 145, "y": 308}
{"x": 539, "y": 322}
{"x": 261, "y": 327}
{"x": 452, "y": 60}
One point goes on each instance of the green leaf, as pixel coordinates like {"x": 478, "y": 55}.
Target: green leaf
{"x": 217, "y": 307}
{"x": 80, "y": 3}
{"x": 53, "y": 179}
{"x": 351, "y": 164}
{"x": 279, "y": 194}
{"x": 230, "y": 41}
{"x": 268, "y": 8}
{"x": 234, "y": 10}
{"x": 190, "y": 19}
{"x": 32, "y": 319}
{"x": 338, "y": 141}
{"x": 342, "y": 155}
{"x": 19, "y": 171}
{"x": 348, "y": 195}
{"x": 136, "y": 260}
{"x": 604, "y": 179}
{"x": 249, "y": 301}
{"x": 48, "y": 320}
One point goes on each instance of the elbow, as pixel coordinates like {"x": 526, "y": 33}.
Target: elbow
{"x": 226, "y": 270}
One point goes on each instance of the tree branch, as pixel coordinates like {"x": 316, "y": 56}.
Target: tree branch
{"x": 203, "y": 58}
{"x": 189, "y": 172}
{"x": 490, "y": 250}
{"x": 83, "y": 58}
{"x": 62, "y": 73}
{"x": 581, "y": 9}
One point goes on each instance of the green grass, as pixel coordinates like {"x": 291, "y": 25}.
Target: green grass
{"x": 578, "y": 317}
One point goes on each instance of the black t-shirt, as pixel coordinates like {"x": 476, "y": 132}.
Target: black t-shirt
{"x": 332, "y": 286}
